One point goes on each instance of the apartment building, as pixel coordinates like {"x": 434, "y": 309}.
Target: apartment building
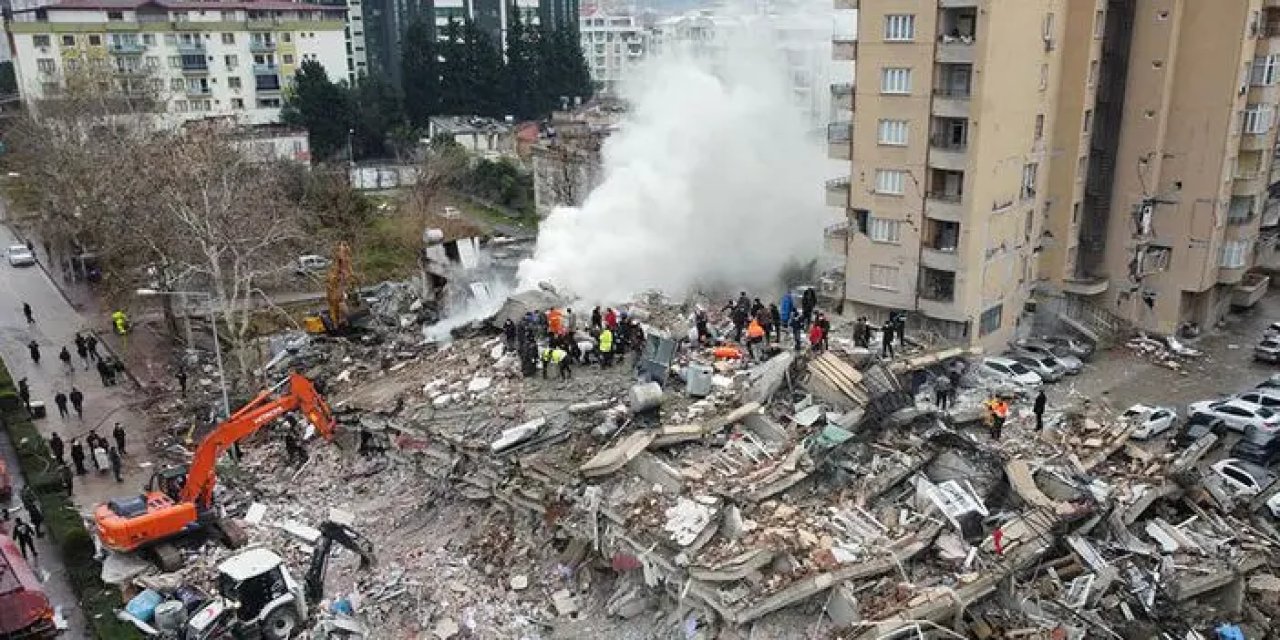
{"x": 1169, "y": 113}
{"x": 948, "y": 138}
{"x": 202, "y": 58}
{"x": 612, "y": 44}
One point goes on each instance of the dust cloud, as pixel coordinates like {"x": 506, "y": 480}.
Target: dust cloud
{"x": 714, "y": 179}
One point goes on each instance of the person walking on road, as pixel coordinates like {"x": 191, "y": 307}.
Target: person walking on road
{"x": 22, "y": 536}
{"x": 1041, "y": 400}
{"x": 32, "y": 506}
{"x": 77, "y": 401}
{"x": 65, "y": 357}
{"x": 68, "y": 478}
{"x": 116, "y": 463}
{"x": 91, "y": 343}
{"x": 24, "y": 394}
{"x": 77, "y": 457}
{"x": 26, "y": 311}
{"x": 94, "y": 445}
{"x": 34, "y": 348}
{"x": 104, "y": 372}
{"x": 82, "y": 350}
{"x": 118, "y": 434}
{"x": 56, "y": 446}
{"x": 60, "y": 399}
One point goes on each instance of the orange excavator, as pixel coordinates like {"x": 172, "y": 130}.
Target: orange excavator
{"x": 179, "y": 500}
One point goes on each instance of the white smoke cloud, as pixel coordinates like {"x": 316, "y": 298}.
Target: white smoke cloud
{"x": 715, "y": 178}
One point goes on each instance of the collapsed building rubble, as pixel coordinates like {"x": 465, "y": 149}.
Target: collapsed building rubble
{"x": 507, "y": 506}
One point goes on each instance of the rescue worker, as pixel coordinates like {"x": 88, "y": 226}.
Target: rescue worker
{"x": 816, "y": 337}
{"x": 606, "y": 347}
{"x": 821, "y": 320}
{"x": 509, "y": 332}
{"x": 120, "y": 321}
{"x": 886, "y": 339}
{"x": 57, "y": 447}
{"x": 26, "y": 311}
{"x": 755, "y": 339}
{"x": 775, "y": 322}
{"x": 570, "y": 322}
{"x": 1038, "y": 408}
{"x": 83, "y": 351}
{"x": 77, "y": 401}
{"x": 91, "y": 343}
{"x": 22, "y": 536}
{"x": 700, "y": 322}
{"x": 555, "y": 322}
{"x": 808, "y": 302}
{"x": 116, "y": 463}
{"x": 859, "y": 326}
{"x": 610, "y": 319}
{"x": 1000, "y": 409}
{"x": 558, "y": 357}
{"x": 118, "y": 434}
{"x": 941, "y": 392}
{"x": 34, "y": 348}
{"x": 77, "y": 457}
{"x": 797, "y": 327}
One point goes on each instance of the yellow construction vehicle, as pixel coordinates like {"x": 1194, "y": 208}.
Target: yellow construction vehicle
{"x": 341, "y": 294}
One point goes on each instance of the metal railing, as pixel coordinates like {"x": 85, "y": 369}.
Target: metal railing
{"x": 839, "y": 132}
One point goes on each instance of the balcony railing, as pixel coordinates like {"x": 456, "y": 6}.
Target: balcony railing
{"x": 195, "y": 67}
{"x": 265, "y": 69}
{"x": 262, "y": 46}
{"x": 190, "y": 47}
{"x": 946, "y": 143}
{"x": 953, "y": 93}
{"x": 938, "y": 293}
{"x": 844, "y": 48}
{"x": 942, "y": 196}
{"x": 839, "y": 132}
{"x": 199, "y": 92}
{"x": 126, "y": 47}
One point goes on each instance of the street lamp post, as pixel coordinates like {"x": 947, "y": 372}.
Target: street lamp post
{"x": 217, "y": 347}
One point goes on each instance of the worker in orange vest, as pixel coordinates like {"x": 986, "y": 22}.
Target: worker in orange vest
{"x": 1001, "y": 411}
{"x": 555, "y": 322}
{"x": 755, "y": 338}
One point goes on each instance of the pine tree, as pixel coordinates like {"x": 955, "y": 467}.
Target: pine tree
{"x": 421, "y": 73}
{"x": 486, "y": 75}
{"x": 577, "y": 74}
{"x": 321, "y": 107}
{"x": 376, "y": 108}
{"x": 453, "y": 68}
{"x": 521, "y": 87}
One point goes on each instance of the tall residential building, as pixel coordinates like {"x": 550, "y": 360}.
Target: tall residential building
{"x": 611, "y": 44}
{"x": 952, "y": 108}
{"x": 203, "y": 59}
{"x": 1104, "y": 158}
{"x": 1167, "y": 110}
{"x": 357, "y": 56}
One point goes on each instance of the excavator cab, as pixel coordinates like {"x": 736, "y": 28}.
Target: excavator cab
{"x": 169, "y": 481}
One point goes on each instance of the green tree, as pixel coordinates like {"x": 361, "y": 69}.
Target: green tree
{"x": 486, "y": 73}
{"x": 421, "y": 72}
{"x": 452, "y": 72}
{"x": 8, "y": 81}
{"x": 521, "y": 88}
{"x": 376, "y": 107}
{"x": 321, "y": 107}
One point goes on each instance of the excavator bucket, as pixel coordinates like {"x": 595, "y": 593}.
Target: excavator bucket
{"x": 312, "y": 405}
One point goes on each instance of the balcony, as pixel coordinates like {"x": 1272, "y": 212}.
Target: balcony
{"x": 126, "y": 48}
{"x": 842, "y": 97}
{"x": 262, "y": 46}
{"x": 837, "y": 190}
{"x": 1254, "y": 141}
{"x": 266, "y": 69}
{"x": 951, "y": 102}
{"x": 940, "y": 259}
{"x": 195, "y": 68}
{"x": 937, "y": 295}
{"x": 1086, "y": 285}
{"x": 840, "y": 140}
{"x": 957, "y": 4}
{"x": 955, "y": 49}
{"x": 946, "y": 207}
{"x": 190, "y": 46}
{"x": 262, "y": 23}
{"x": 1231, "y": 275}
{"x": 845, "y": 5}
{"x": 129, "y": 70}
{"x": 944, "y": 153}
{"x": 844, "y": 48}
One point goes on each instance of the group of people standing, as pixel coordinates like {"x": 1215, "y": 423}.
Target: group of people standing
{"x": 609, "y": 332}
{"x": 762, "y": 324}
{"x": 895, "y": 326}
{"x": 102, "y": 455}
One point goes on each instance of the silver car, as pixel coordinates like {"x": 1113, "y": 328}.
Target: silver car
{"x": 21, "y": 256}
{"x": 1071, "y": 365}
{"x": 1048, "y": 367}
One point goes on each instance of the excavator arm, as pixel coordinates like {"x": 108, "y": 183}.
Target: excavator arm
{"x": 331, "y": 532}
{"x": 299, "y": 394}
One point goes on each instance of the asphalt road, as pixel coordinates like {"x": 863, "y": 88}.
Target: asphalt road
{"x": 55, "y": 326}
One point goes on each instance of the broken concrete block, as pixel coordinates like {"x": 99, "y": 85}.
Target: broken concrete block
{"x": 644, "y": 397}
{"x": 593, "y": 406}
{"x": 479, "y": 384}
{"x": 515, "y": 435}
{"x": 732, "y": 526}
{"x": 843, "y": 607}
{"x": 613, "y": 458}
{"x": 446, "y": 628}
{"x": 305, "y": 533}
{"x": 519, "y": 582}
{"x": 255, "y": 513}
{"x": 564, "y": 602}
{"x": 342, "y": 516}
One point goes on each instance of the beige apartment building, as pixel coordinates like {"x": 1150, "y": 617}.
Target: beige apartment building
{"x": 1109, "y": 155}
{"x": 949, "y": 139}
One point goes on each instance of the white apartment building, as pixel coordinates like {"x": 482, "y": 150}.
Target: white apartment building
{"x": 357, "y": 55}
{"x": 611, "y": 45}
{"x": 203, "y": 58}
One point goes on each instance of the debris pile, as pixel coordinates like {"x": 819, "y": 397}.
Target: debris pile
{"x": 734, "y": 494}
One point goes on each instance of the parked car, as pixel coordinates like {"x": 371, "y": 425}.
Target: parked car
{"x": 1273, "y": 382}
{"x": 1066, "y": 345}
{"x": 1198, "y": 426}
{"x": 1238, "y": 414}
{"x": 1048, "y": 368}
{"x": 1268, "y": 350}
{"x": 1269, "y": 398}
{"x": 1151, "y": 421}
{"x": 1008, "y": 371}
{"x": 310, "y": 264}
{"x": 1070, "y": 364}
{"x": 21, "y": 256}
{"x": 1243, "y": 478}
{"x": 1257, "y": 446}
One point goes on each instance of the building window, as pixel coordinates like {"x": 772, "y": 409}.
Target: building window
{"x": 899, "y": 28}
{"x": 1264, "y": 70}
{"x": 288, "y": 58}
{"x": 895, "y": 80}
{"x": 1234, "y": 254}
{"x": 893, "y": 132}
{"x": 1044, "y": 77}
{"x": 228, "y": 38}
{"x": 68, "y": 41}
{"x": 1081, "y": 164}
{"x": 890, "y": 182}
{"x": 1257, "y": 118}
{"x": 40, "y": 41}
{"x": 990, "y": 320}
{"x": 233, "y": 83}
{"x": 268, "y": 103}
{"x": 1029, "y": 174}
{"x": 175, "y": 62}
{"x": 176, "y": 84}
{"x": 232, "y": 61}
{"x": 884, "y": 230}
{"x": 884, "y": 277}
{"x": 237, "y": 103}
{"x": 1240, "y": 209}
{"x": 1075, "y": 213}
{"x": 95, "y": 40}
{"x": 180, "y": 106}
{"x": 46, "y": 66}
{"x": 157, "y": 85}
{"x": 153, "y": 62}
{"x": 286, "y": 37}
{"x": 1154, "y": 259}
{"x": 149, "y": 39}
{"x": 1099, "y": 24}
{"x": 1039, "y": 126}
{"x": 1093, "y": 72}
{"x": 115, "y": 16}
{"x": 1088, "y": 120}
{"x": 170, "y": 39}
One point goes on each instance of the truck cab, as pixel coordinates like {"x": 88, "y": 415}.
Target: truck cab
{"x": 255, "y": 591}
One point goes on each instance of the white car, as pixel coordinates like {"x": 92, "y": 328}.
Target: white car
{"x": 1269, "y": 398}
{"x": 21, "y": 256}
{"x": 1010, "y": 371}
{"x": 1243, "y": 478}
{"x": 1151, "y": 421}
{"x": 1238, "y": 414}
